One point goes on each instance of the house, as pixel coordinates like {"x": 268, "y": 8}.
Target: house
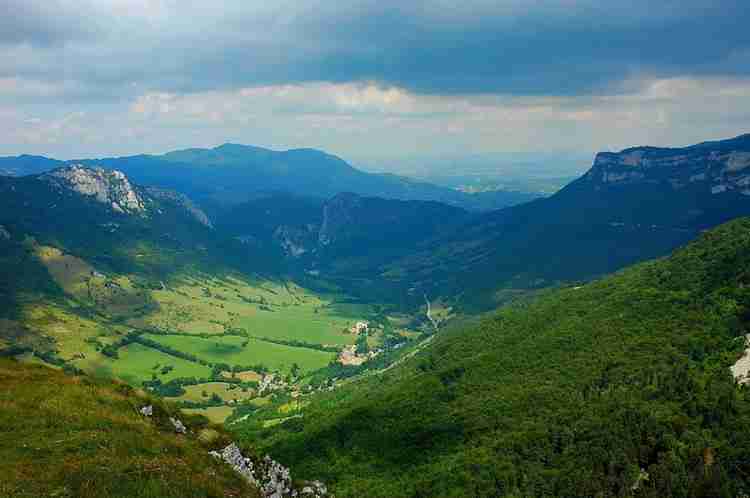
{"x": 360, "y": 327}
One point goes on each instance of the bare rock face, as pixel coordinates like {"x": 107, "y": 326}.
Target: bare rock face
{"x": 179, "y": 427}
{"x": 111, "y": 188}
{"x": 337, "y": 213}
{"x": 716, "y": 167}
{"x": 183, "y": 201}
{"x": 296, "y": 241}
{"x": 269, "y": 476}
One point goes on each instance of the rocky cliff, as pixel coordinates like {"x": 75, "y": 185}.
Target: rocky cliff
{"x": 114, "y": 190}
{"x": 338, "y": 212}
{"x": 109, "y": 187}
{"x": 350, "y": 224}
{"x": 714, "y": 167}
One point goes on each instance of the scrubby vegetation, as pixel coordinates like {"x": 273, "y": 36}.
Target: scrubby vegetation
{"x": 620, "y": 387}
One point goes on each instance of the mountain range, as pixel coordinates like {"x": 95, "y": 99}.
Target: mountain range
{"x": 573, "y": 345}
{"x": 637, "y": 204}
{"x": 230, "y": 174}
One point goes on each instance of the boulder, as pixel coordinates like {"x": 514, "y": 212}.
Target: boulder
{"x": 179, "y": 427}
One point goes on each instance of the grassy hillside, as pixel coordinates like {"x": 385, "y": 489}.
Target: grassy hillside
{"x": 620, "y": 387}
{"x": 66, "y": 437}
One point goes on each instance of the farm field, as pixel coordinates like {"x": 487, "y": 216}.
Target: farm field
{"x": 216, "y": 414}
{"x": 137, "y": 363}
{"x": 204, "y": 305}
{"x": 244, "y": 376}
{"x": 227, "y": 392}
{"x": 241, "y": 351}
{"x": 299, "y": 323}
{"x": 199, "y": 323}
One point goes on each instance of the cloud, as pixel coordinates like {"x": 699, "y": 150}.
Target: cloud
{"x": 369, "y": 123}
{"x": 370, "y": 79}
{"x": 510, "y": 47}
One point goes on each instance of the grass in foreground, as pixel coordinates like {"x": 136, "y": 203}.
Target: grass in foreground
{"x": 67, "y": 437}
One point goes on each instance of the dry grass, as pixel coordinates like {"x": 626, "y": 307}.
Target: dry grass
{"x": 227, "y": 392}
{"x": 245, "y": 376}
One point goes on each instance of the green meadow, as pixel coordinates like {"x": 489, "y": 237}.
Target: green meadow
{"x": 137, "y": 363}
{"x": 242, "y": 351}
{"x": 299, "y": 323}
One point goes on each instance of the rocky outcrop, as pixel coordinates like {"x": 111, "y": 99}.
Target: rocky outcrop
{"x": 183, "y": 202}
{"x": 714, "y": 167}
{"x": 179, "y": 427}
{"x": 111, "y": 188}
{"x": 273, "y": 479}
{"x": 297, "y": 241}
{"x": 337, "y": 213}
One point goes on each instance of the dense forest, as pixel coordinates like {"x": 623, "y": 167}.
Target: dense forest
{"x": 620, "y": 387}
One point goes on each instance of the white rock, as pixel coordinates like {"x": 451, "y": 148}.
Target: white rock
{"x": 107, "y": 187}
{"x": 179, "y": 427}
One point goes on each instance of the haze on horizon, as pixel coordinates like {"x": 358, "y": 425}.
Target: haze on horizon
{"x": 377, "y": 82}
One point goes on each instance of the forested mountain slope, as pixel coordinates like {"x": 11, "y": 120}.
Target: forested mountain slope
{"x": 347, "y": 235}
{"x": 620, "y": 387}
{"x": 633, "y": 205}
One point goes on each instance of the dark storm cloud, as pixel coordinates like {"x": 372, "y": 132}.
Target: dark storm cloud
{"x": 42, "y": 23}
{"x": 431, "y": 46}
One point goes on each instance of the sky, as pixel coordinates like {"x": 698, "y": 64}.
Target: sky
{"x": 374, "y": 81}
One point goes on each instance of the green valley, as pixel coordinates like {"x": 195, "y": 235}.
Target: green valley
{"x": 362, "y": 343}
{"x": 374, "y": 249}
{"x": 163, "y": 302}
{"x": 620, "y": 387}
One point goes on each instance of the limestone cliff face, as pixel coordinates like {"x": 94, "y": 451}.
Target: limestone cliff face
{"x": 338, "y": 216}
{"x": 297, "y": 241}
{"x": 111, "y": 188}
{"x": 338, "y": 213}
{"x": 717, "y": 167}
